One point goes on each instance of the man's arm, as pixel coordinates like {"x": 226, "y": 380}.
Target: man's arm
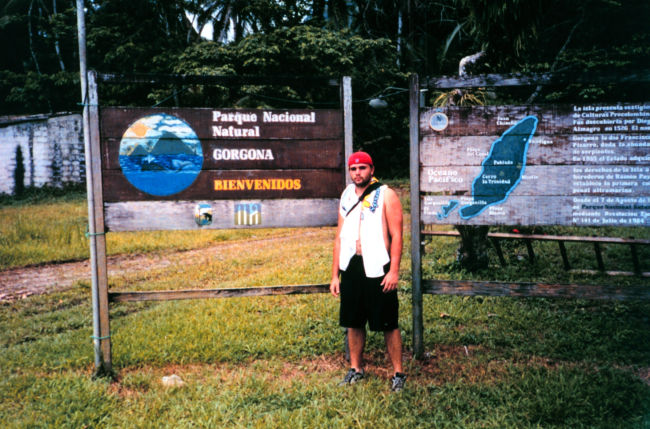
{"x": 394, "y": 220}
{"x": 335, "y": 286}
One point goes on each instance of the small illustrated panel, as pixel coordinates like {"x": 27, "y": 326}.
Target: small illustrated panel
{"x": 240, "y": 124}
{"x": 160, "y": 155}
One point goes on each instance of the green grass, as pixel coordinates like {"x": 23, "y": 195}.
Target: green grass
{"x": 273, "y": 362}
{"x": 440, "y": 262}
{"x": 46, "y": 228}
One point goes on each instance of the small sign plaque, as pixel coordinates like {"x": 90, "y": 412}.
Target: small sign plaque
{"x": 203, "y": 214}
{"x": 439, "y": 121}
{"x": 248, "y": 214}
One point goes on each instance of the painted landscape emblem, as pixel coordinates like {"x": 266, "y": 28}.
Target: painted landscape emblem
{"x": 160, "y": 154}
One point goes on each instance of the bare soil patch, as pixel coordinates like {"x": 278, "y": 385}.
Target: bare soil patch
{"x": 444, "y": 364}
{"x": 21, "y": 283}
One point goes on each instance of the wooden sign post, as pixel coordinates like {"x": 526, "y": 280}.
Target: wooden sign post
{"x": 183, "y": 168}
{"x": 287, "y": 163}
{"x": 572, "y": 165}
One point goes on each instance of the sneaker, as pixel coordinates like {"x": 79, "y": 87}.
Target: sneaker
{"x": 351, "y": 377}
{"x": 399, "y": 380}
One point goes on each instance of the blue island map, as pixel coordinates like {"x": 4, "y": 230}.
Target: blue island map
{"x": 447, "y": 209}
{"x": 502, "y": 170}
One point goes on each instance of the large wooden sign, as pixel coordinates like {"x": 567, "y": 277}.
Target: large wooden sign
{"x": 581, "y": 165}
{"x": 173, "y": 168}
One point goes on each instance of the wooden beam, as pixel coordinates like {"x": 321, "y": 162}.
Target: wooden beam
{"x": 537, "y": 180}
{"x": 611, "y": 273}
{"x": 169, "y": 295}
{"x": 533, "y": 210}
{"x": 235, "y": 185}
{"x": 346, "y": 104}
{"x": 260, "y": 154}
{"x": 217, "y": 80}
{"x": 180, "y": 215}
{"x": 497, "y": 247}
{"x": 534, "y": 79}
{"x": 574, "y": 239}
{"x": 599, "y": 256}
{"x": 96, "y": 223}
{"x": 524, "y": 290}
{"x": 565, "y": 257}
{"x": 416, "y": 248}
{"x": 531, "y": 252}
{"x": 635, "y": 259}
{"x": 221, "y": 124}
{"x": 552, "y": 119}
{"x": 544, "y": 149}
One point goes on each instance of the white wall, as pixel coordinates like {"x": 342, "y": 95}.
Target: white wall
{"x": 52, "y": 150}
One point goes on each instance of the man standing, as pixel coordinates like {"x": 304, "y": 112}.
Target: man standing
{"x": 367, "y": 254}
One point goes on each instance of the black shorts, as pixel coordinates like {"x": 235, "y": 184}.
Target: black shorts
{"x": 363, "y": 300}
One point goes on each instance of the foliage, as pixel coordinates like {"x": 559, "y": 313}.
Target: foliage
{"x": 457, "y": 97}
{"x": 235, "y": 19}
{"x": 39, "y": 47}
{"x": 309, "y": 51}
{"x": 377, "y": 42}
{"x": 46, "y": 194}
{"x": 576, "y": 36}
{"x": 506, "y": 26}
{"x": 33, "y": 92}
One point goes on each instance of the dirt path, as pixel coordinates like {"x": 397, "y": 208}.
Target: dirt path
{"x": 20, "y": 283}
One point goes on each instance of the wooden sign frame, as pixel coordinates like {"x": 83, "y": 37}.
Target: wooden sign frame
{"x": 420, "y": 286}
{"x": 113, "y": 210}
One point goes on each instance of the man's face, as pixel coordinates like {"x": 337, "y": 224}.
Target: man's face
{"x": 361, "y": 174}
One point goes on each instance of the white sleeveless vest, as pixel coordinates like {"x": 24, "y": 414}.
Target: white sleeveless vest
{"x": 365, "y": 220}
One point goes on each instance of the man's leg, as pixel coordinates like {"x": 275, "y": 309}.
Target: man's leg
{"x": 357, "y": 341}
{"x": 394, "y": 347}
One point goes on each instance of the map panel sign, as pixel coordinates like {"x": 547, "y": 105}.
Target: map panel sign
{"x": 552, "y": 165}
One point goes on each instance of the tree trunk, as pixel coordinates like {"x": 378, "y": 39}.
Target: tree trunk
{"x": 472, "y": 254}
{"x": 31, "y": 37}
{"x": 56, "y": 40}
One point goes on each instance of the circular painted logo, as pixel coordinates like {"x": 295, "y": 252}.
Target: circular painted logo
{"x": 160, "y": 154}
{"x": 439, "y": 121}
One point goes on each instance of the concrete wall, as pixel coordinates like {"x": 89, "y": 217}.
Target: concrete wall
{"x": 52, "y": 151}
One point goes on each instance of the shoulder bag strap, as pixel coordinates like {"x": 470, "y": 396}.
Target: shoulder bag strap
{"x": 367, "y": 192}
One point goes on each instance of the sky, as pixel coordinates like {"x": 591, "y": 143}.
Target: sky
{"x": 207, "y": 29}
{"x": 146, "y": 132}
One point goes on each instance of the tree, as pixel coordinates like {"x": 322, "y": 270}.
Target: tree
{"x": 39, "y": 50}
{"x": 307, "y": 50}
{"x": 335, "y": 13}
